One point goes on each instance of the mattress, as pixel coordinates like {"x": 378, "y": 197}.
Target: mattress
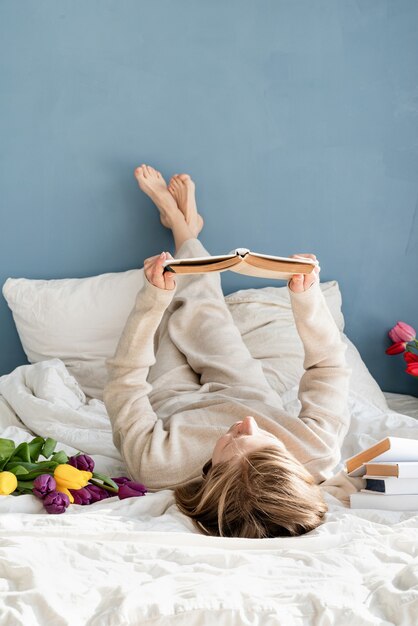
{"x": 140, "y": 561}
{"x": 402, "y": 403}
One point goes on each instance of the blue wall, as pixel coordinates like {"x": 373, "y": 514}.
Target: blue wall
{"x": 297, "y": 119}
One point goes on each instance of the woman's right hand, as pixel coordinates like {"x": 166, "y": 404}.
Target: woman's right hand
{"x": 154, "y": 271}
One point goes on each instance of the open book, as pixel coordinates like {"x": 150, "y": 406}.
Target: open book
{"x": 243, "y": 261}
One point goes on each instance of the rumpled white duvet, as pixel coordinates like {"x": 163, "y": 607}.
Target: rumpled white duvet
{"x": 139, "y": 561}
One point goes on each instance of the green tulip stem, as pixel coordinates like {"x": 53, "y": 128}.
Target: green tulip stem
{"x": 98, "y": 484}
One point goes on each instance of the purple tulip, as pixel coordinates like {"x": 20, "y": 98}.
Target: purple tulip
{"x": 56, "y": 502}
{"x": 97, "y": 493}
{"x": 122, "y": 480}
{"x": 131, "y": 489}
{"x": 43, "y": 484}
{"x": 82, "y": 462}
{"x": 81, "y": 496}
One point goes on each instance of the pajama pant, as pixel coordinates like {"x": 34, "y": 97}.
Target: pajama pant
{"x": 198, "y": 348}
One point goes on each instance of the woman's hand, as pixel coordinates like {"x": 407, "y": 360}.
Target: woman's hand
{"x": 154, "y": 271}
{"x": 302, "y": 282}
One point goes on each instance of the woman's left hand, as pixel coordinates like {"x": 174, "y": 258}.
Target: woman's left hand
{"x": 302, "y": 282}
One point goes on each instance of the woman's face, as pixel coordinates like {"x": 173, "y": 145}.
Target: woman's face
{"x": 243, "y": 437}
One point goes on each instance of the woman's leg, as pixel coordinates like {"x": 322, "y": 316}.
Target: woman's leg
{"x": 202, "y": 328}
{"x": 171, "y": 373}
{"x": 198, "y": 322}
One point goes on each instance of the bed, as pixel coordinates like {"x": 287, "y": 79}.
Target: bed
{"x": 139, "y": 561}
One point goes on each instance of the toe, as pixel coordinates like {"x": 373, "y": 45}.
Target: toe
{"x": 139, "y": 172}
{"x": 151, "y": 170}
{"x": 184, "y": 177}
{"x": 187, "y": 180}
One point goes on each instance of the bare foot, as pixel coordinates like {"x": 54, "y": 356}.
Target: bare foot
{"x": 182, "y": 188}
{"x": 153, "y": 184}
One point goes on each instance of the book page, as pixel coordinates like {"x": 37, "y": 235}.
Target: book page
{"x": 194, "y": 266}
{"x": 203, "y": 260}
{"x": 249, "y": 270}
{"x": 284, "y": 258}
{"x": 274, "y": 268}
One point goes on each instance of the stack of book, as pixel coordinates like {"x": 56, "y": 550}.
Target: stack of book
{"x": 390, "y": 470}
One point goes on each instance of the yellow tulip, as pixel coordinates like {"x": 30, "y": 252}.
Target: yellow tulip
{"x": 69, "y": 477}
{"x": 8, "y": 483}
{"x": 66, "y": 491}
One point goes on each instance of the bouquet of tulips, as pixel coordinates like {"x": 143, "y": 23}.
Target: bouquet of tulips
{"x": 404, "y": 339}
{"x": 58, "y": 479}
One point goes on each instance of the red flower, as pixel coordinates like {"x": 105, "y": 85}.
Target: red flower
{"x": 412, "y": 369}
{"x": 402, "y": 332}
{"x": 410, "y": 357}
{"x": 396, "y": 348}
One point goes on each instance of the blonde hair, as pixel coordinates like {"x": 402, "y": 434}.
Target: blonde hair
{"x": 266, "y": 493}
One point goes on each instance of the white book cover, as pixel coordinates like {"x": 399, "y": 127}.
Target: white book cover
{"x": 361, "y": 500}
{"x": 401, "y": 449}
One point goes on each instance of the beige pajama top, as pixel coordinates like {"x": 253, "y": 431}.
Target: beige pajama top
{"x": 182, "y": 375}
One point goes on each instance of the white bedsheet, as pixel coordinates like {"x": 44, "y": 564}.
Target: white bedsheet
{"x": 139, "y": 561}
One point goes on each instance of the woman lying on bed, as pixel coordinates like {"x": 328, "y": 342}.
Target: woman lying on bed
{"x": 184, "y": 393}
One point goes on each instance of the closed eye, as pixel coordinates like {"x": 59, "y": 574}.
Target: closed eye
{"x": 233, "y": 439}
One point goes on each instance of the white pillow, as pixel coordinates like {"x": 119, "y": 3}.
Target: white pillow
{"x": 280, "y": 349}
{"x": 77, "y": 320}
{"x": 80, "y": 320}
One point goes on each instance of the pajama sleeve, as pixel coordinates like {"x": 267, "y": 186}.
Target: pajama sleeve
{"x": 133, "y": 419}
{"x": 323, "y": 388}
